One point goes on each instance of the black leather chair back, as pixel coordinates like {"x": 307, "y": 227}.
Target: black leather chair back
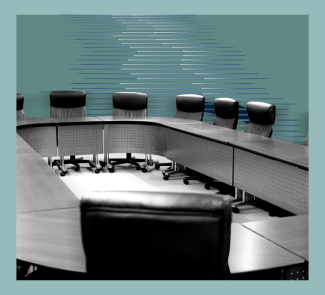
{"x": 20, "y": 101}
{"x": 262, "y": 117}
{"x": 67, "y": 99}
{"x": 306, "y": 142}
{"x": 20, "y": 106}
{"x": 156, "y": 235}
{"x": 130, "y": 104}
{"x": 190, "y": 106}
{"x": 226, "y": 110}
{"x": 67, "y": 103}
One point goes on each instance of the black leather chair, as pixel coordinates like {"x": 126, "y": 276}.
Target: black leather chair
{"x": 262, "y": 117}
{"x": 128, "y": 105}
{"x": 20, "y": 106}
{"x": 66, "y": 104}
{"x": 226, "y": 110}
{"x": 156, "y": 236}
{"x": 191, "y": 107}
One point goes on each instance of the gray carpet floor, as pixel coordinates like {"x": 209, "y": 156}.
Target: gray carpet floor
{"x": 127, "y": 178}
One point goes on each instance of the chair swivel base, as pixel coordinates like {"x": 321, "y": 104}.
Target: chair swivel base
{"x": 151, "y": 162}
{"x": 245, "y": 200}
{"x": 75, "y": 162}
{"x": 129, "y": 160}
{"x": 208, "y": 182}
{"x": 167, "y": 174}
{"x": 158, "y": 165}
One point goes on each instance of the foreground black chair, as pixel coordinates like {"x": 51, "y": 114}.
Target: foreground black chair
{"x": 191, "y": 107}
{"x": 156, "y": 236}
{"x": 128, "y": 105}
{"x": 262, "y": 117}
{"x": 20, "y": 106}
{"x": 226, "y": 110}
{"x": 67, "y": 104}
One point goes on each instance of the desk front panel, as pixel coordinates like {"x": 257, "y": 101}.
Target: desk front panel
{"x": 80, "y": 139}
{"x": 281, "y": 184}
{"x": 41, "y": 139}
{"x": 207, "y": 157}
{"x": 135, "y": 138}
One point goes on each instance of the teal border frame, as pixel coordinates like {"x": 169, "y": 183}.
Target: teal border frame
{"x": 313, "y": 8}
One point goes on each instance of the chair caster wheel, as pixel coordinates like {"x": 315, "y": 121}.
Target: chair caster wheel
{"x": 156, "y": 166}
{"x": 97, "y": 171}
{"x": 206, "y": 186}
{"x": 76, "y": 168}
{"x": 63, "y": 173}
{"x": 111, "y": 170}
{"x": 138, "y": 168}
{"x": 166, "y": 177}
{"x": 144, "y": 170}
{"x": 235, "y": 210}
{"x": 185, "y": 181}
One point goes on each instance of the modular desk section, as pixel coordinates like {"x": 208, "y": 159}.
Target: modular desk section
{"x": 40, "y": 134}
{"x": 274, "y": 170}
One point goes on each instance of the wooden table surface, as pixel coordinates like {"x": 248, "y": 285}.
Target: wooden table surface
{"x": 39, "y": 187}
{"x": 290, "y": 233}
{"x": 53, "y": 238}
{"x": 33, "y": 122}
{"x": 250, "y": 252}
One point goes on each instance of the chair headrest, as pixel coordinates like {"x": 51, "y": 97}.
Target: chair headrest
{"x": 68, "y": 99}
{"x": 162, "y": 201}
{"x": 132, "y": 101}
{"x": 261, "y": 113}
{"x": 190, "y": 103}
{"x": 226, "y": 108}
{"x": 20, "y": 101}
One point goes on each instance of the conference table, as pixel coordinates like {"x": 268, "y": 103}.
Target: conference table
{"x": 48, "y": 225}
{"x": 273, "y": 170}
{"x": 290, "y": 233}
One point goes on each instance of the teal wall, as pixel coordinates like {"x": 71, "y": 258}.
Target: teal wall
{"x": 248, "y": 58}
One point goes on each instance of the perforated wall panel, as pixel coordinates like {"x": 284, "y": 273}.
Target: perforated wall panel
{"x": 80, "y": 140}
{"x": 133, "y": 138}
{"x": 41, "y": 139}
{"x": 207, "y": 157}
{"x": 281, "y": 184}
